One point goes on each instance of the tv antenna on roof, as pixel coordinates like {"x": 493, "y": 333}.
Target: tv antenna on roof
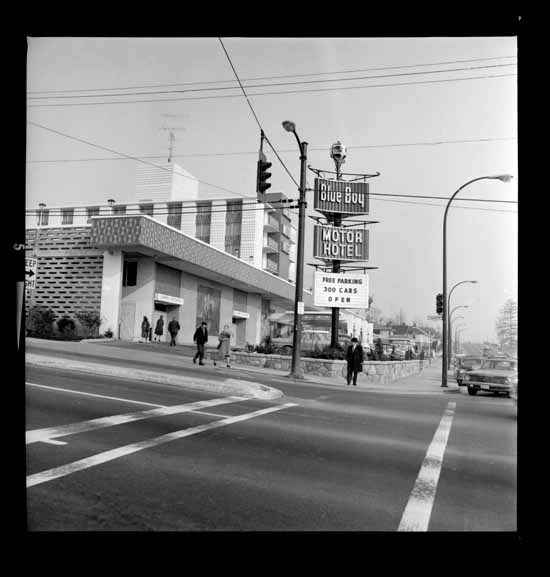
{"x": 171, "y": 130}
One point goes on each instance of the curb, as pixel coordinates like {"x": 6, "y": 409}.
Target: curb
{"x": 225, "y": 387}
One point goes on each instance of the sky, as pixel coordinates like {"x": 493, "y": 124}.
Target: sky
{"x": 408, "y": 133}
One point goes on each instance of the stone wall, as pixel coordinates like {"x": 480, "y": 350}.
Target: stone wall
{"x": 374, "y": 371}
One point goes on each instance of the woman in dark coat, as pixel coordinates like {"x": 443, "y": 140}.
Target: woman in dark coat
{"x": 354, "y": 358}
{"x": 159, "y": 329}
{"x": 145, "y": 329}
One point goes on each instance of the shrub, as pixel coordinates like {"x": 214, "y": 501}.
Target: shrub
{"x": 67, "y": 328}
{"x": 327, "y": 352}
{"x": 90, "y": 321}
{"x": 108, "y": 334}
{"x": 266, "y": 346}
{"x": 40, "y": 322}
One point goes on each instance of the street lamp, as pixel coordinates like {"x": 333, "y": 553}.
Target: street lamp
{"x": 296, "y": 370}
{"x": 501, "y": 177}
{"x": 459, "y": 330}
{"x": 449, "y": 306}
{"x": 450, "y": 341}
{"x": 450, "y": 331}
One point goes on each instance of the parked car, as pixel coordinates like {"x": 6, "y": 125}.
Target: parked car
{"x": 497, "y": 375}
{"x": 465, "y": 363}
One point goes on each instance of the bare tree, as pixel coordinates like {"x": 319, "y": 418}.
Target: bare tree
{"x": 507, "y": 325}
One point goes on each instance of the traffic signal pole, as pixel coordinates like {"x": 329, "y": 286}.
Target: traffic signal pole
{"x": 296, "y": 370}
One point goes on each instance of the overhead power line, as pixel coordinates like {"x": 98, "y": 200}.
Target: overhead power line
{"x": 251, "y": 152}
{"x": 256, "y": 117}
{"x": 272, "y": 84}
{"x": 272, "y": 93}
{"x": 270, "y": 77}
{"x": 247, "y": 207}
{"x": 130, "y": 157}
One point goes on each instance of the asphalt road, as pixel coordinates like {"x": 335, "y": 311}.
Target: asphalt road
{"x": 320, "y": 458}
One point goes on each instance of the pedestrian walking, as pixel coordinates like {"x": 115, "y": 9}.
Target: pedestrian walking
{"x": 145, "y": 326}
{"x": 354, "y": 358}
{"x": 173, "y": 329}
{"x": 223, "y": 345}
{"x": 201, "y": 338}
{"x": 159, "y": 328}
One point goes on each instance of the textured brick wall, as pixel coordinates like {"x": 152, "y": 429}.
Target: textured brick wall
{"x": 69, "y": 271}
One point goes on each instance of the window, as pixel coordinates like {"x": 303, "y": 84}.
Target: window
{"x": 93, "y": 211}
{"x": 146, "y": 209}
{"x": 67, "y": 215}
{"x": 129, "y": 273}
{"x": 174, "y": 214}
{"x": 285, "y": 245}
{"x": 203, "y": 220}
{"x": 42, "y": 219}
{"x": 233, "y": 224}
{"x": 119, "y": 209}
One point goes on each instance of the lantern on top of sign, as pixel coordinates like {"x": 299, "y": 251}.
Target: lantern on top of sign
{"x": 338, "y": 153}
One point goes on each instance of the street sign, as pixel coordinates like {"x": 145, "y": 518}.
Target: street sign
{"x": 350, "y": 291}
{"x": 338, "y": 243}
{"x": 300, "y": 307}
{"x": 341, "y": 197}
{"x": 434, "y": 317}
{"x": 30, "y": 273}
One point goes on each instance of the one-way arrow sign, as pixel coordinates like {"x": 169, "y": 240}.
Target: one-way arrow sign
{"x": 30, "y": 273}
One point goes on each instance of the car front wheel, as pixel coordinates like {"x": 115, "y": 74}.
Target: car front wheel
{"x": 472, "y": 391}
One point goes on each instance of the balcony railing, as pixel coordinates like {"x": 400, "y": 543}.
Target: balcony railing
{"x": 271, "y": 223}
{"x": 272, "y": 267}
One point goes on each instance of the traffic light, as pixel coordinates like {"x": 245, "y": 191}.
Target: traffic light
{"x": 261, "y": 182}
{"x": 439, "y": 303}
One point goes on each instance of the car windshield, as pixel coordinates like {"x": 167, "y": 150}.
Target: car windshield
{"x": 506, "y": 365}
{"x": 470, "y": 363}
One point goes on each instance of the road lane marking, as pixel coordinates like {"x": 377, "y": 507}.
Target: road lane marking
{"x": 57, "y": 472}
{"x": 39, "y": 435}
{"x": 93, "y": 395}
{"x": 53, "y": 442}
{"x": 416, "y": 516}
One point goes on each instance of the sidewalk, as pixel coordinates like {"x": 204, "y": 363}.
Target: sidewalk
{"x": 162, "y": 359}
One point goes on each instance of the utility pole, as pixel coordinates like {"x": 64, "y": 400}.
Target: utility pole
{"x": 297, "y": 371}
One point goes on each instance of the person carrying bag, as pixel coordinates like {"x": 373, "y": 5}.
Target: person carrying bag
{"x": 223, "y": 346}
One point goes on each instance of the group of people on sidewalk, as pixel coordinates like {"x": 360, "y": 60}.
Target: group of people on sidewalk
{"x": 147, "y": 330}
{"x": 354, "y": 355}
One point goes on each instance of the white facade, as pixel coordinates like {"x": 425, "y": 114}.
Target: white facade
{"x": 167, "y": 182}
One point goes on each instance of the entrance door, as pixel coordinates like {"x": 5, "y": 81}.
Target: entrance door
{"x": 239, "y": 332}
{"x": 127, "y": 320}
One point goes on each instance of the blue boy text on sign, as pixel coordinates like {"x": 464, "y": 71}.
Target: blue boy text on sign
{"x": 338, "y": 196}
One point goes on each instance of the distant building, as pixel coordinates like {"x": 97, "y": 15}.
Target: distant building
{"x": 403, "y": 336}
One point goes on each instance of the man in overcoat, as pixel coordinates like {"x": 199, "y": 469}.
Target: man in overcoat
{"x": 200, "y": 337}
{"x": 354, "y": 358}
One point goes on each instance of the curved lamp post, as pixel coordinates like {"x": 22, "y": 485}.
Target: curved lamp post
{"x": 459, "y": 330}
{"x": 449, "y": 306}
{"x": 451, "y": 332}
{"x": 296, "y": 370}
{"x": 444, "y": 367}
{"x": 450, "y": 341}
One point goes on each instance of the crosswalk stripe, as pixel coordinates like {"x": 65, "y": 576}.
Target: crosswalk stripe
{"x": 416, "y": 516}
{"x": 106, "y": 456}
{"x": 40, "y": 435}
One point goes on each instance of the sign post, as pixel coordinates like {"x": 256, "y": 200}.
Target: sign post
{"x": 30, "y": 273}
{"x": 335, "y": 243}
